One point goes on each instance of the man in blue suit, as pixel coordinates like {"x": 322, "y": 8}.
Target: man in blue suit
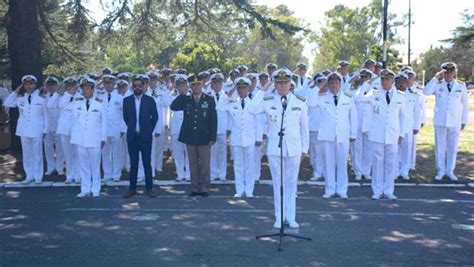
{"x": 140, "y": 116}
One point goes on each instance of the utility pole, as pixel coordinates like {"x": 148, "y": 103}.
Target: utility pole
{"x": 385, "y": 15}
{"x": 409, "y": 32}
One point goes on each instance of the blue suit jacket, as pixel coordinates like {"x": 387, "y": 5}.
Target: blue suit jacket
{"x": 147, "y": 118}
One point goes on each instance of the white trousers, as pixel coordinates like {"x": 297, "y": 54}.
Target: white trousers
{"x": 336, "y": 180}
{"x": 244, "y": 170}
{"x": 89, "y": 162}
{"x": 181, "y": 159}
{"x": 53, "y": 152}
{"x": 72, "y": 162}
{"x": 112, "y": 158}
{"x": 413, "y": 153}
{"x": 316, "y": 152}
{"x": 159, "y": 146}
{"x": 446, "y": 148}
{"x": 291, "y": 167}
{"x": 258, "y": 162}
{"x": 219, "y": 157}
{"x": 405, "y": 155}
{"x": 384, "y": 161}
{"x": 32, "y": 150}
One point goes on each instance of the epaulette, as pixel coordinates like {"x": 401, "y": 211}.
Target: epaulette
{"x": 301, "y": 98}
{"x": 20, "y": 95}
{"x": 375, "y": 90}
{"x": 79, "y": 98}
{"x": 400, "y": 92}
{"x": 268, "y": 98}
{"x": 348, "y": 94}
{"x": 98, "y": 100}
{"x": 233, "y": 101}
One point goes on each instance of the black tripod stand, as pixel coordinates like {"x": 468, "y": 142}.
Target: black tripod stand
{"x": 282, "y": 233}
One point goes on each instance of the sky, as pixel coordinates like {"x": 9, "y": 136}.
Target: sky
{"x": 432, "y": 20}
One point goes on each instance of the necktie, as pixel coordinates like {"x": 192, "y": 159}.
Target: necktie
{"x": 387, "y": 97}
{"x": 51, "y": 95}
{"x": 335, "y": 100}
{"x": 217, "y": 96}
{"x": 250, "y": 95}
{"x": 72, "y": 98}
{"x": 243, "y": 104}
{"x": 108, "y": 98}
{"x": 449, "y": 87}
{"x": 344, "y": 79}
{"x": 301, "y": 81}
{"x": 87, "y": 105}
{"x": 29, "y": 99}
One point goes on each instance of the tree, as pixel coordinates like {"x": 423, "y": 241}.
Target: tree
{"x": 352, "y": 34}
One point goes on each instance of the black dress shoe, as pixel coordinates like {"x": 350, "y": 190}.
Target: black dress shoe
{"x": 130, "y": 193}
{"x": 150, "y": 193}
{"x": 193, "y": 194}
{"x": 204, "y": 194}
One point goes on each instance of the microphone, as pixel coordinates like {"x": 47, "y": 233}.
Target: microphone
{"x": 284, "y": 102}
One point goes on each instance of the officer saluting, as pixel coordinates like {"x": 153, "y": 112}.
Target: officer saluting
{"x": 450, "y": 117}
{"x": 32, "y": 126}
{"x": 198, "y": 132}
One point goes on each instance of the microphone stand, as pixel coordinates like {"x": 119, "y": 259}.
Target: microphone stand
{"x": 282, "y": 233}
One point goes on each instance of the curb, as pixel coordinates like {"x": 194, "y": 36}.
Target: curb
{"x": 227, "y": 182}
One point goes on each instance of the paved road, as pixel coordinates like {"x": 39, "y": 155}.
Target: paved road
{"x": 50, "y": 227}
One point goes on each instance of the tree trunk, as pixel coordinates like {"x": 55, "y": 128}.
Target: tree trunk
{"x": 24, "y": 40}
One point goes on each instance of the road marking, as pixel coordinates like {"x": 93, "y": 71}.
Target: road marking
{"x": 467, "y": 227}
{"x": 349, "y": 213}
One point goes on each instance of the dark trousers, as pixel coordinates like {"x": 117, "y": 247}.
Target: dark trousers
{"x": 135, "y": 146}
{"x": 200, "y": 167}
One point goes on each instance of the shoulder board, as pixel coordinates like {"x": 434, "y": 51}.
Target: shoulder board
{"x": 301, "y": 98}
{"x": 20, "y": 95}
{"x": 209, "y": 94}
{"x": 233, "y": 101}
{"x": 376, "y": 90}
{"x": 268, "y": 98}
{"x": 321, "y": 94}
{"x": 400, "y": 92}
{"x": 101, "y": 92}
{"x": 79, "y": 98}
{"x": 98, "y": 100}
{"x": 348, "y": 94}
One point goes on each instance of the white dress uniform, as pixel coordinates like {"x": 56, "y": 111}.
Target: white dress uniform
{"x": 88, "y": 131}
{"x": 335, "y": 130}
{"x": 361, "y": 147}
{"x": 32, "y": 124}
{"x": 52, "y": 141}
{"x": 295, "y": 143}
{"x": 422, "y": 101}
{"x": 180, "y": 153}
{"x": 451, "y": 110}
{"x": 244, "y": 132}
{"x": 112, "y": 158}
{"x": 413, "y": 122}
{"x": 65, "y": 103}
{"x": 316, "y": 148}
{"x": 163, "y": 100}
{"x": 219, "y": 149}
{"x": 387, "y": 124}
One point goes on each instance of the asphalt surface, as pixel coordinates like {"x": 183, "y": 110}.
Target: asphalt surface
{"x": 51, "y": 227}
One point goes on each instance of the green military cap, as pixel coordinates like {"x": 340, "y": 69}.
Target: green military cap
{"x": 193, "y": 79}
{"x": 282, "y": 75}
{"x": 385, "y": 73}
{"x": 29, "y": 78}
{"x": 449, "y": 66}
